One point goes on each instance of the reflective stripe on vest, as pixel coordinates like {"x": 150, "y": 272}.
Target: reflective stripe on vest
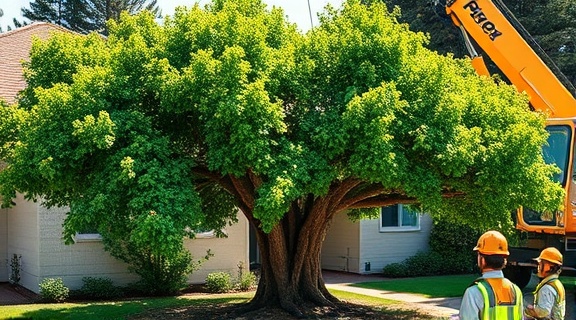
{"x": 494, "y": 311}
{"x": 559, "y": 308}
{"x": 557, "y": 285}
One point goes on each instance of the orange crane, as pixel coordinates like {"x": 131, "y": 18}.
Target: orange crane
{"x": 497, "y": 33}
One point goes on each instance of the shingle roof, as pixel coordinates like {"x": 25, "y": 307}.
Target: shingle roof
{"x": 15, "y": 47}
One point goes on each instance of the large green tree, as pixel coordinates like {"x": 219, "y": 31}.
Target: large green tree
{"x": 160, "y": 129}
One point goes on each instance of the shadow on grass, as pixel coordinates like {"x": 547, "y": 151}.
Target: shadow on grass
{"x": 121, "y": 309}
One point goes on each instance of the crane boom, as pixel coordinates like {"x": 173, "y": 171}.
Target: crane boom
{"x": 498, "y": 38}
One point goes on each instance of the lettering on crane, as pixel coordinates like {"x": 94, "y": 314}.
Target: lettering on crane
{"x": 480, "y": 18}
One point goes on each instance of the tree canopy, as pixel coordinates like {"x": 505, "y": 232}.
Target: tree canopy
{"x": 159, "y": 130}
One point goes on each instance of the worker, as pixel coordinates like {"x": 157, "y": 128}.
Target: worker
{"x": 492, "y": 296}
{"x": 549, "y": 296}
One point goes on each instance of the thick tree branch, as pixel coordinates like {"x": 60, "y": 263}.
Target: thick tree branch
{"x": 361, "y": 193}
{"x": 371, "y": 201}
{"x": 245, "y": 190}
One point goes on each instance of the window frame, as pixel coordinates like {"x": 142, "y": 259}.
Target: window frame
{"x": 205, "y": 235}
{"x": 399, "y": 227}
{"x": 87, "y": 237}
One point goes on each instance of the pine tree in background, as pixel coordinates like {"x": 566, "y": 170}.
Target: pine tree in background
{"x": 18, "y": 24}
{"x": 78, "y": 16}
{"x": 104, "y": 10}
{"x": 84, "y": 16}
{"x": 45, "y": 10}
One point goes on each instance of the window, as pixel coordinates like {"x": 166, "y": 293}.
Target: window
{"x": 201, "y": 233}
{"x": 88, "y": 235}
{"x": 205, "y": 235}
{"x": 399, "y": 218}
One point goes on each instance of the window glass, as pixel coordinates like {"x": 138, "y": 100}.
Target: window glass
{"x": 399, "y": 218}
{"x": 409, "y": 217}
{"x": 390, "y": 216}
{"x": 557, "y": 149}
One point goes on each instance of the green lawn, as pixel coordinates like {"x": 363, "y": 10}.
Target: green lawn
{"x": 432, "y": 287}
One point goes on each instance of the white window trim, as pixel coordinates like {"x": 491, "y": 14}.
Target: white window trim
{"x": 87, "y": 237}
{"x": 205, "y": 235}
{"x": 400, "y": 228}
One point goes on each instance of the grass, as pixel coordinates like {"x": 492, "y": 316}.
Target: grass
{"x": 124, "y": 309}
{"x": 112, "y": 310}
{"x": 431, "y": 287}
{"x": 362, "y": 299}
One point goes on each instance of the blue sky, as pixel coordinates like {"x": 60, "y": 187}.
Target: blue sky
{"x": 296, "y": 10}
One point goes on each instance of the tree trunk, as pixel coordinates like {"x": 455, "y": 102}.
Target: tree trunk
{"x": 291, "y": 276}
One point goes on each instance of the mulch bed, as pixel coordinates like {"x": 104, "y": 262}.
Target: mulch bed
{"x": 15, "y": 294}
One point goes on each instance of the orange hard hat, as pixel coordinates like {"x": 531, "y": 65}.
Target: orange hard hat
{"x": 492, "y": 243}
{"x": 550, "y": 254}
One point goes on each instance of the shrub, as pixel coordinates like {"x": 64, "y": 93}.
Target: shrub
{"x": 219, "y": 282}
{"x": 99, "y": 289}
{"x": 53, "y": 289}
{"x": 164, "y": 275}
{"x": 450, "y": 252}
{"x": 448, "y": 237}
{"x": 454, "y": 242}
{"x": 395, "y": 270}
{"x": 421, "y": 264}
{"x": 15, "y": 268}
{"x": 246, "y": 281}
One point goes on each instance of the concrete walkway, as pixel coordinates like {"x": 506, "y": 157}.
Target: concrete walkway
{"x": 438, "y": 307}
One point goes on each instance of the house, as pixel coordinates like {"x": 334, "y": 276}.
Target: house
{"x": 34, "y": 232}
{"x": 366, "y": 246}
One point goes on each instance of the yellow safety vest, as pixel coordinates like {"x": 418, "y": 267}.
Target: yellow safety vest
{"x": 497, "y": 310}
{"x": 555, "y": 283}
